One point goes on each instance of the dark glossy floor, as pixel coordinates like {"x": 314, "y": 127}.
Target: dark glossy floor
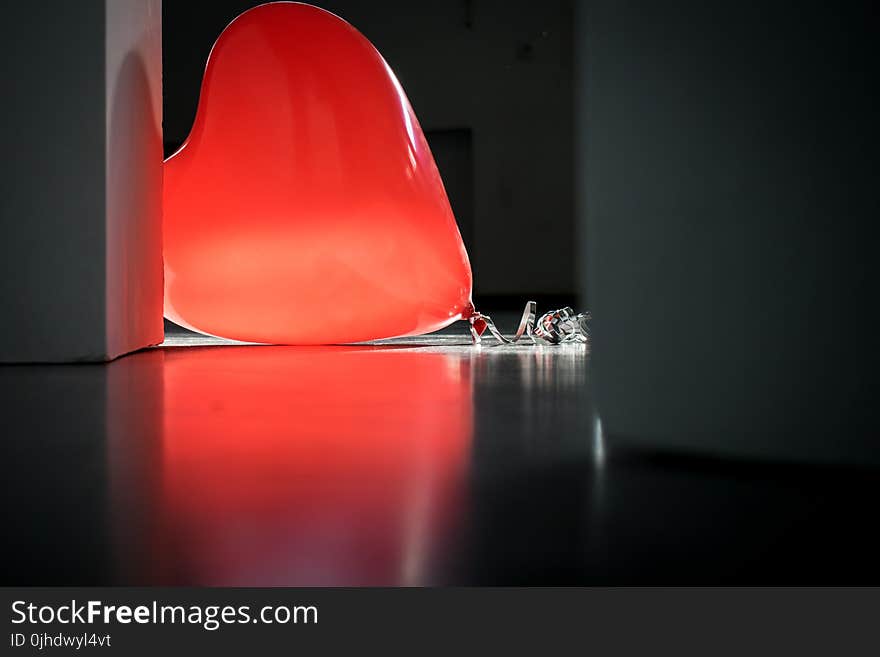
{"x": 414, "y": 462}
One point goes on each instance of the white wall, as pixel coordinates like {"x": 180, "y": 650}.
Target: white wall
{"x": 133, "y": 174}
{"x": 80, "y": 259}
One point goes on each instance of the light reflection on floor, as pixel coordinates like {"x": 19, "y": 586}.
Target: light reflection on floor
{"x": 419, "y": 461}
{"x": 266, "y": 465}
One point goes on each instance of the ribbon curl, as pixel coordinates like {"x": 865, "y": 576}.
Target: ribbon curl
{"x": 554, "y": 327}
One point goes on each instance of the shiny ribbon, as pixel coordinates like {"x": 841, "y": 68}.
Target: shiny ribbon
{"x": 554, "y": 327}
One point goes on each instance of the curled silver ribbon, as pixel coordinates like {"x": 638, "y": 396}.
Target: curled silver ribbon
{"x": 554, "y": 327}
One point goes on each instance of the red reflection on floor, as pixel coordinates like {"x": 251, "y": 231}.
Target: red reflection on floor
{"x": 285, "y": 465}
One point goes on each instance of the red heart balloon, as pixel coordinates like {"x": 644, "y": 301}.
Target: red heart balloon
{"x": 305, "y": 206}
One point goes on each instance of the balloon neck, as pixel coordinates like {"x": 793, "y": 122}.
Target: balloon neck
{"x": 555, "y": 327}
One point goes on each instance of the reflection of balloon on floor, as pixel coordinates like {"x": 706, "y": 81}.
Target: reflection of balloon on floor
{"x": 308, "y": 466}
{"x": 305, "y": 207}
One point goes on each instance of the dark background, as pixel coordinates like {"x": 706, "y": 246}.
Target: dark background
{"x": 491, "y": 84}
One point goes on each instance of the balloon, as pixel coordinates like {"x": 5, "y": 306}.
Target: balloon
{"x": 305, "y": 207}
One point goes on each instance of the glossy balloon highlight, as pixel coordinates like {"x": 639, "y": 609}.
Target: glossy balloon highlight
{"x": 305, "y": 207}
